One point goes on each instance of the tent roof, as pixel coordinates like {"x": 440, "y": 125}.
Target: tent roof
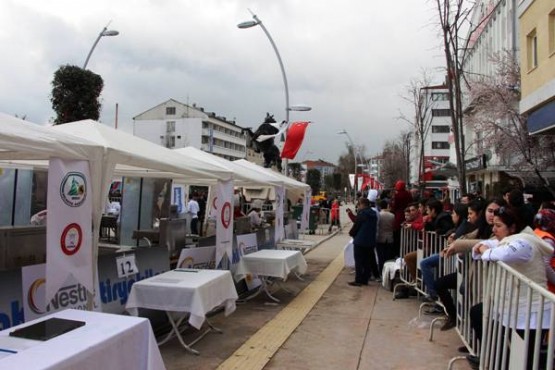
{"x": 288, "y": 182}
{"x": 136, "y": 156}
{"x": 243, "y": 176}
{"x": 25, "y": 140}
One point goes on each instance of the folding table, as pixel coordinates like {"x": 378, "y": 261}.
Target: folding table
{"x": 183, "y": 293}
{"x": 270, "y": 265}
{"x": 106, "y": 342}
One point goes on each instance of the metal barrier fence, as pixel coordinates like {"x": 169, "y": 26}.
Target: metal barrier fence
{"x": 424, "y": 244}
{"x": 513, "y": 307}
{"x": 469, "y": 293}
{"x": 410, "y": 239}
{"x": 518, "y": 318}
{"x": 518, "y": 321}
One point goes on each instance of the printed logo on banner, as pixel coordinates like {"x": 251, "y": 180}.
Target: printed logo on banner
{"x": 32, "y": 296}
{"x": 198, "y": 258}
{"x": 73, "y": 189}
{"x": 71, "y": 239}
{"x": 70, "y": 295}
{"x": 226, "y": 214}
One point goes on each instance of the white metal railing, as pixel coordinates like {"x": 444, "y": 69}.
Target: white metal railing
{"x": 518, "y": 321}
{"x": 410, "y": 239}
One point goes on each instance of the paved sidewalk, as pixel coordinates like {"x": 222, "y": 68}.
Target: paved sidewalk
{"x": 347, "y": 327}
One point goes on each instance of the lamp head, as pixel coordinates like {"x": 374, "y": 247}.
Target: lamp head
{"x": 342, "y": 132}
{"x": 299, "y": 108}
{"x": 110, "y": 33}
{"x": 247, "y": 24}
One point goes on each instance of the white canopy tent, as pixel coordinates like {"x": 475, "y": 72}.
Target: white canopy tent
{"x": 103, "y": 147}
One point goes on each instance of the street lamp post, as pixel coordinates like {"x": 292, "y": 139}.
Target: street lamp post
{"x": 288, "y": 108}
{"x": 105, "y": 32}
{"x": 406, "y": 149}
{"x": 344, "y": 132}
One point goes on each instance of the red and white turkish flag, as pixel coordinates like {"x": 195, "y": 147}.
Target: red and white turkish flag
{"x": 294, "y": 139}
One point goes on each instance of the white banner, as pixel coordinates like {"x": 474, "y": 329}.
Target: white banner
{"x": 71, "y": 295}
{"x": 197, "y": 258}
{"x": 223, "y": 202}
{"x": 306, "y": 210}
{"x": 247, "y": 243}
{"x": 68, "y": 225}
{"x": 352, "y": 180}
{"x": 280, "y": 203}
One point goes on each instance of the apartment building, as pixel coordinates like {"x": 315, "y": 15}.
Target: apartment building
{"x": 496, "y": 32}
{"x": 437, "y": 127}
{"x": 324, "y": 167}
{"x": 537, "y": 42}
{"x": 173, "y": 124}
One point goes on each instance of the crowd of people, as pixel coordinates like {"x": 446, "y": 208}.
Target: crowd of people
{"x": 504, "y": 229}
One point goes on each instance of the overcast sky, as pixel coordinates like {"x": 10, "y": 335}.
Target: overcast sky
{"x": 350, "y": 60}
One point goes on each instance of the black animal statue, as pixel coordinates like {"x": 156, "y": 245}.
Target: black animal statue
{"x": 269, "y": 150}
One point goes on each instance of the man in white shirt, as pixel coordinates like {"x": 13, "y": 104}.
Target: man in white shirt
{"x": 254, "y": 218}
{"x": 193, "y": 210}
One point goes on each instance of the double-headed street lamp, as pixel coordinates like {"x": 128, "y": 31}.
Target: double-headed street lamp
{"x": 105, "y": 32}
{"x": 288, "y": 108}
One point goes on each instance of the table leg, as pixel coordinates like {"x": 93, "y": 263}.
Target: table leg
{"x": 177, "y": 332}
{"x": 265, "y": 287}
{"x": 265, "y": 283}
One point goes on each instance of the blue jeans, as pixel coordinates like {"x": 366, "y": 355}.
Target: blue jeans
{"x": 427, "y": 267}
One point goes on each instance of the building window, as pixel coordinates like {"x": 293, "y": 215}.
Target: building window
{"x": 204, "y": 124}
{"x": 532, "y": 50}
{"x": 440, "y": 129}
{"x": 440, "y": 96}
{"x": 440, "y": 145}
{"x": 552, "y": 32}
{"x": 170, "y": 111}
{"x": 441, "y": 112}
{"x": 170, "y": 126}
{"x": 170, "y": 142}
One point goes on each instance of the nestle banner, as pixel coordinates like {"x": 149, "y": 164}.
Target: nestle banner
{"x": 247, "y": 243}
{"x": 198, "y": 258}
{"x": 71, "y": 295}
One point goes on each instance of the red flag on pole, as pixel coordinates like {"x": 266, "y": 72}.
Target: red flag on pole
{"x": 294, "y": 139}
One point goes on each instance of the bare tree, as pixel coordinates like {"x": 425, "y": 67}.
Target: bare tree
{"x": 495, "y": 114}
{"x": 454, "y": 16}
{"x": 394, "y": 162}
{"x": 346, "y": 165}
{"x": 422, "y": 121}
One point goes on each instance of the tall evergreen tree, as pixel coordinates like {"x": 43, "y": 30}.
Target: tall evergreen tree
{"x": 75, "y": 94}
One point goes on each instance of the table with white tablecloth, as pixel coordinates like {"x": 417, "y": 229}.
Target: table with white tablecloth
{"x": 271, "y": 263}
{"x": 189, "y": 292}
{"x": 106, "y": 342}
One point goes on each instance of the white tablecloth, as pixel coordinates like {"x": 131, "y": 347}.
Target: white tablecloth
{"x": 349, "y": 254}
{"x": 271, "y": 262}
{"x": 185, "y": 290}
{"x": 106, "y": 342}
